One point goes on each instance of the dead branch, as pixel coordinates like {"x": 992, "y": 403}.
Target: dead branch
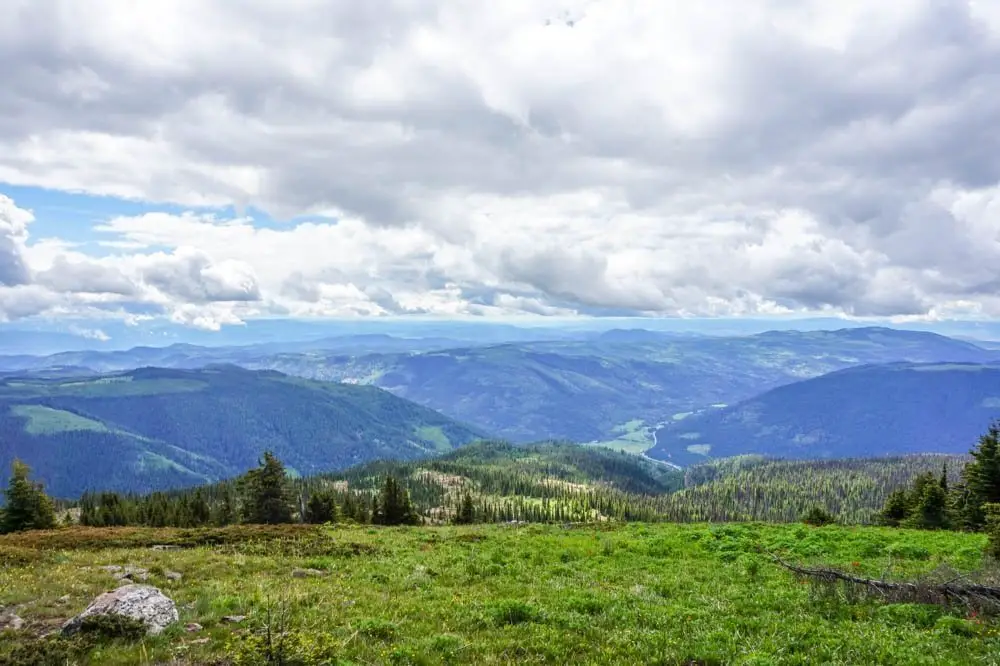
{"x": 950, "y": 592}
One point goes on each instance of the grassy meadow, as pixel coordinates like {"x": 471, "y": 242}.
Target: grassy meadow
{"x": 502, "y": 594}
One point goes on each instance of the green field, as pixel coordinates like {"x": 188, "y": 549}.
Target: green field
{"x": 632, "y": 437}
{"x": 626, "y": 594}
{"x": 43, "y": 420}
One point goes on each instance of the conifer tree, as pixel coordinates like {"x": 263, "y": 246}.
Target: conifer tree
{"x": 27, "y": 505}
{"x": 981, "y": 477}
{"x": 928, "y": 507}
{"x": 225, "y": 513}
{"x": 466, "y": 511}
{"x": 321, "y": 508}
{"x": 896, "y": 509}
{"x": 393, "y": 505}
{"x": 267, "y": 499}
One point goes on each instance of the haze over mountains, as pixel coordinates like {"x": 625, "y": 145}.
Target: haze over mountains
{"x": 156, "y": 417}
{"x": 606, "y": 386}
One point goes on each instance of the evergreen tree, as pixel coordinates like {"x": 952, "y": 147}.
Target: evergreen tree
{"x": 225, "y": 513}
{"x": 896, "y": 509}
{"x": 267, "y": 499}
{"x": 321, "y": 508}
{"x": 466, "y": 511}
{"x": 928, "y": 508}
{"x": 27, "y": 505}
{"x": 201, "y": 513}
{"x": 982, "y": 477}
{"x": 393, "y": 506}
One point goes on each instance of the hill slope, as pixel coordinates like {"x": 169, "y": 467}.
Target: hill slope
{"x": 607, "y": 389}
{"x": 157, "y": 428}
{"x": 612, "y": 388}
{"x": 878, "y": 410}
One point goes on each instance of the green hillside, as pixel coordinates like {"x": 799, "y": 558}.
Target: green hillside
{"x": 562, "y": 482}
{"x": 613, "y": 388}
{"x": 157, "y": 428}
{"x": 878, "y": 410}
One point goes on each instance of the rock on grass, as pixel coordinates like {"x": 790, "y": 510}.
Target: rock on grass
{"x": 144, "y": 603}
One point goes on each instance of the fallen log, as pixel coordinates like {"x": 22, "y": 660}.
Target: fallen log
{"x": 958, "y": 590}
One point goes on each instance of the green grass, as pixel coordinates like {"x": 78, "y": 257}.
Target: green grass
{"x": 46, "y": 421}
{"x": 658, "y": 594}
{"x": 434, "y": 435}
{"x": 633, "y": 437}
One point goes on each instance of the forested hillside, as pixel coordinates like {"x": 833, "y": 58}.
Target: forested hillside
{"x": 613, "y": 387}
{"x": 879, "y": 410}
{"x": 160, "y": 428}
{"x": 559, "y": 482}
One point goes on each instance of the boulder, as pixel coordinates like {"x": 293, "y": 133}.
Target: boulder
{"x": 10, "y": 621}
{"x": 139, "y": 602}
{"x": 233, "y": 619}
{"x": 173, "y": 575}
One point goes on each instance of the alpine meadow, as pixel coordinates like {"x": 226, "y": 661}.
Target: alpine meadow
{"x": 597, "y": 332}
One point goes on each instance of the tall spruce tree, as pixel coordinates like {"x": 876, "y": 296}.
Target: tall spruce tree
{"x": 267, "y": 497}
{"x": 27, "y": 505}
{"x": 896, "y": 509}
{"x": 393, "y": 505}
{"x": 466, "y": 514}
{"x": 981, "y": 478}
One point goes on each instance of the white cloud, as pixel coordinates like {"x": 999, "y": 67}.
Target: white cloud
{"x": 533, "y": 156}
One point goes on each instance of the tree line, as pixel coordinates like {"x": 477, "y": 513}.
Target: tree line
{"x": 972, "y": 503}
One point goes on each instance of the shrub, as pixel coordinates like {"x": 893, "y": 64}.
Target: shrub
{"x": 381, "y": 630}
{"x": 513, "y": 612}
{"x": 818, "y": 516}
{"x": 43, "y": 652}
{"x": 112, "y": 627}
{"x": 15, "y": 556}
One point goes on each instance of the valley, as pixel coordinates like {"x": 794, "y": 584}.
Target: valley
{"x": 615, "y": 388}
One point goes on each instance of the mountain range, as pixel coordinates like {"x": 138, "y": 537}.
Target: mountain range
{"x": 155, "y": 428}
{"x": 612, "y": 387}
{"x": 873, "y": 410}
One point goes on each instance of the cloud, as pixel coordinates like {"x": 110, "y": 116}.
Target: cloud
{"x": 85, "y": 277}
{"x": 531, "y": 156}
{"x": 13, "y": 233}
{"x": 193, "y": 277}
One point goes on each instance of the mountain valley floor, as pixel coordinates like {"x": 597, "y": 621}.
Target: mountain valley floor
{"x": 499, "y": 594}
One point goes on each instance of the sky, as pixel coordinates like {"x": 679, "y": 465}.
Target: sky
{"x": 207, "y": 163}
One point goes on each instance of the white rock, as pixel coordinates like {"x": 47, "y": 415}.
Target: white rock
{"x": 139, "y": 602}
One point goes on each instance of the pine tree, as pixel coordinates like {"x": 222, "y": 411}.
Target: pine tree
{"x": 896, "y": 509}
{"x": 321, "y": 508}
{"x": 466, "y": 514}
{"x": 27, "y": 505}
{"x": 225, "y": 513}
{"x": 393, "y": 506}
{"x": 201, "y": 513}
{"x": 928, "y": 508}
{"x": 267, "y": 499}
{"x": 982, "y": 477}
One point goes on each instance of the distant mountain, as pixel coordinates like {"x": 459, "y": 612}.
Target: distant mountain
{"x": 614, "y": 391}
{"x": 875, "y": 410}
{"x": 157, "y": 428}
{"x": 614, "y": 386}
